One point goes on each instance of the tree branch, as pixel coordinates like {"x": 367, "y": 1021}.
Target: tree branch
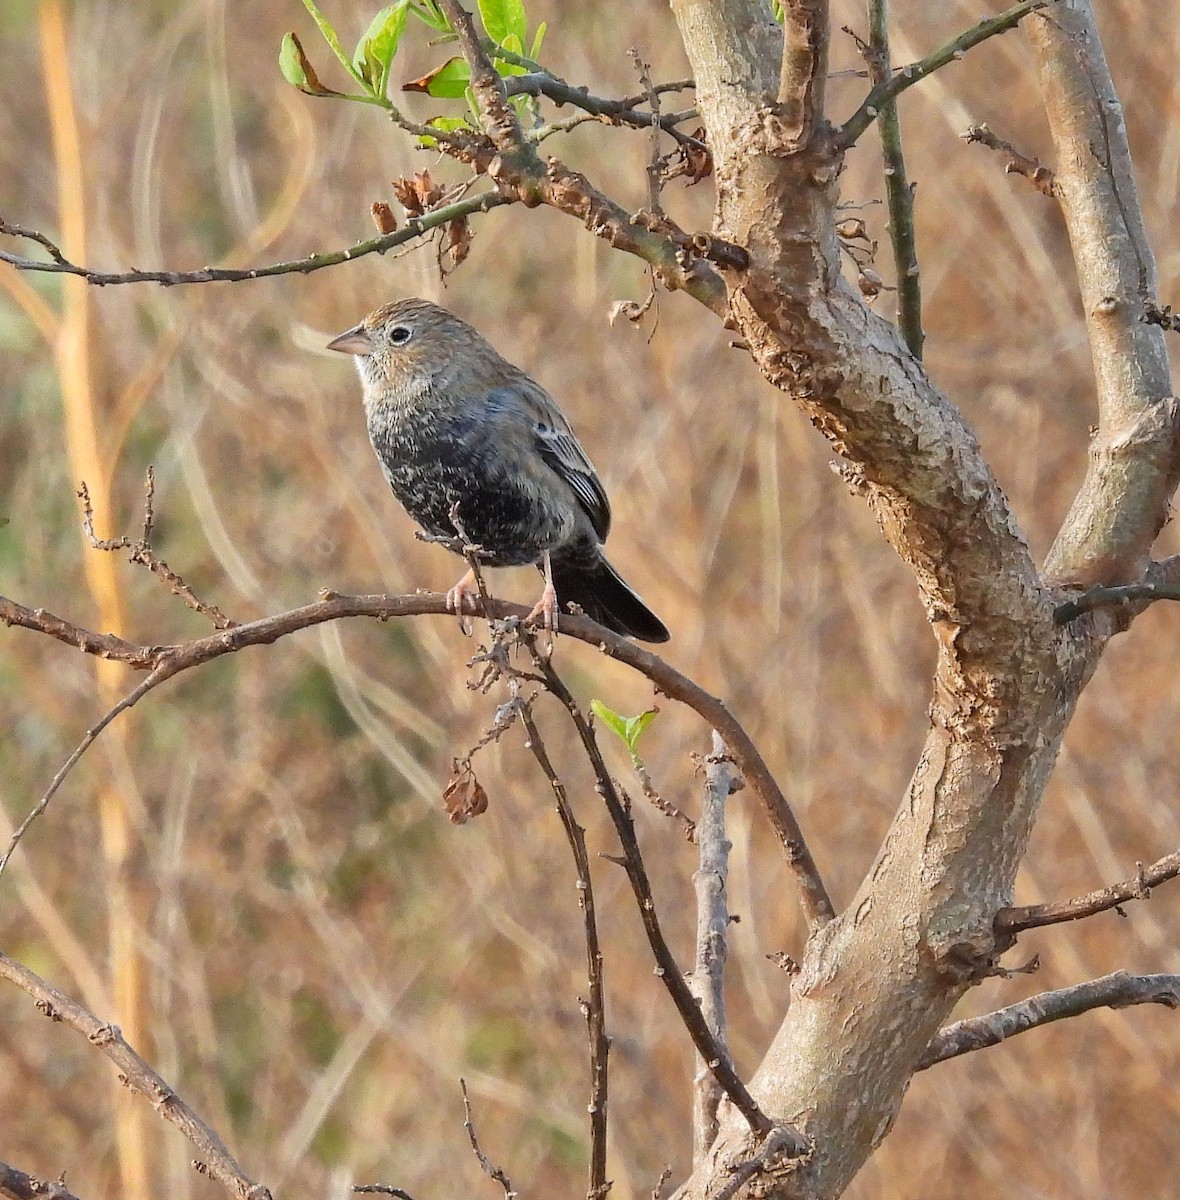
{"x": 804, "y": 72}
{"x": 1041, "y": 177}
{"x": 617, "y": 112}
{"x": 1011, "y": 921}
{"x": 666, "y": 966}
{"x": 898, "y": 193}
{"x": 594, "y": 1008}
{"x": 707, "y": 980}
{"x": 1135, "y": 456}
{"x": 1110, "y": 991}
{"x": 183, "y": 656}
{"x": 950, "y": 52}
{"x": 488, "y": 1167}
{"x": 415, "y": 227}
{"x": 216, "y": 1160}
{"x": 17, "y": 1185}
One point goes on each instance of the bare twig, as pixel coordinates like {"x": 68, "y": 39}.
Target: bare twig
{"x": 1041, "y": 177}
{"x": 898, "y": 191}
{"x": 707, "y": 981}
{"x": 215, "y": 1159}
{"x": 156, "y": 677}
{"x": 414, "y": 228}
{"x": 1110, "y": 991}
{"x": 183, "y": 656}
{"x": 666, "y": 967}
{"x": 611, "y": 112}
{"x": 382, "y": 1189}
{"x": 1105, "y": 597}
{"x": 143, "y": 554}
{"x": 906, "y": 77}
{"x": 489, "y": 1168}
{"x": 655, "y": 165}
{"x": 650, "y": 793}
{"x": 1011, "y": 921}
{"x": 18, "y": 1185}
{"x": 594, "y": 1007}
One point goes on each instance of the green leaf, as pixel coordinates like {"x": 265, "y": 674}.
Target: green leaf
{"x": 449, "y": 81}
{"x": 376, "y": 49}
{"x": 535, "y": 52}
{"x": 630, "y": 729}
{"x": 510, "y": 68}
{"x": 330, "y": 36}
{"x": 298, "y": 71}
{"x": 503, "y": 18}
{"x": 429, "y": 13}
{"x": 446, "y": 124}
{"x": 291, "y": 61}
{"x": 3, "y": 522}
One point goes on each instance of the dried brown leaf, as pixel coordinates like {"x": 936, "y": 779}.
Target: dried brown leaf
{"x": 383, "y": 217}
{"x": 464, "y": 796}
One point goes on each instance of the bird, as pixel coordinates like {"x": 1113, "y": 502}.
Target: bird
{"x": 480, "y": 455}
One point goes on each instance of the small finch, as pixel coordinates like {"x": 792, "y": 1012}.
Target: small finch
{"x": 462, "y": 433}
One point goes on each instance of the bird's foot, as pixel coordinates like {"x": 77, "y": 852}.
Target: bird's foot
{"x": 463, "y": 599}
{"x": 544, "y": 612}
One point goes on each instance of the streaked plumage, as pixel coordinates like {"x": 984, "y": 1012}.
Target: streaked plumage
{"x": 453, "y": 422}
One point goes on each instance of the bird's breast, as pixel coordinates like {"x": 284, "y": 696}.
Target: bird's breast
{"x": 441, "y": 463}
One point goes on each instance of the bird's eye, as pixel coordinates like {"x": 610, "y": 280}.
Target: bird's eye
{"x": 399, "y": 335}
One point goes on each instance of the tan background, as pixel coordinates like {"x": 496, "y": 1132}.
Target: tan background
{"x": 321, "y": 954}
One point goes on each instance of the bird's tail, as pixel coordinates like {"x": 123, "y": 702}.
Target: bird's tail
{"x": 603, "y": 595}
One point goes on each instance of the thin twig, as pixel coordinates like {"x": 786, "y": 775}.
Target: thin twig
{"x": 1123, "y": 594}
{"x": 1041, "y": 177}
{"x": 593, "y": 1008}
{"x": 18, "y": 1185}
{"x": 906, "y": 77}
{"x": 666, "y": 966}
{"x": 183, "y": 656}
{"x": 707, "y": 981}
{"x": 1118, "y": 990}
{"x": 142, "y": 553}
{"x": 655, "y": 166}
{"x": 413, "y": 228}
{"x": 489, "y": 1168}
{"x": 215, "y": 1159}
{"x": 899, "y": 193}
{"x": 604, "y": 111}
{"x": 382, "y": 1189}
{"x": 155, "y": 678}
{"x": 1011, "y": 921}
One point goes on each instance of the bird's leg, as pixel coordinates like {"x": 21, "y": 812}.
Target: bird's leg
{"x": 545, "y": 610}
{"x": 463, "y": 599}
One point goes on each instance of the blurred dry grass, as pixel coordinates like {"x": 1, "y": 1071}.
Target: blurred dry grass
{"x": 322, "y": 954}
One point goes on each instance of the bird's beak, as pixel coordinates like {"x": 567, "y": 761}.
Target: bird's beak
{"x": 353, "y": 341}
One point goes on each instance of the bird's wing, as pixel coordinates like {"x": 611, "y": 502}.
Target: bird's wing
{"x": 561, "y": 450}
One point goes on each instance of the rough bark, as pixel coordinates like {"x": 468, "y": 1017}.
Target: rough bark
{"x": 878, "y": 982}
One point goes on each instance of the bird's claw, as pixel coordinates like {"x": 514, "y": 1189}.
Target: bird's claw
{"x": 545, "y": 611}
{"x": 463, "y": 601}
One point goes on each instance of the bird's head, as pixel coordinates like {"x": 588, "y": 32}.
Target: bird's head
{"x": 406, "y": 343}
